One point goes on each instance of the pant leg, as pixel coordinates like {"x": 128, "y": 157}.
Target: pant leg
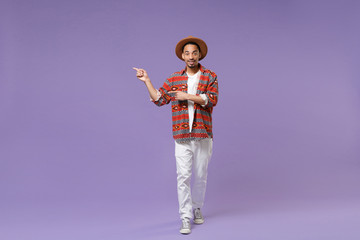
{"x": 202, "y": 156}
{"x": 184, "y": 156}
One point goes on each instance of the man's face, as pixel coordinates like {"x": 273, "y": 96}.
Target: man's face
{"x": 191, "y": 55}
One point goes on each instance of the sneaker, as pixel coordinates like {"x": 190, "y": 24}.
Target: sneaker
{"x": 185, "y": 226}
{"x": 198, "y": 218}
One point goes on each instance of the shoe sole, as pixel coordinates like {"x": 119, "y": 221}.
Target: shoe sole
{"x": 199, "y": 221}
{"x": 185, "y": 231}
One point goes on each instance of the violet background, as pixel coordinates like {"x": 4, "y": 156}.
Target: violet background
{"x": 84, "y": 154}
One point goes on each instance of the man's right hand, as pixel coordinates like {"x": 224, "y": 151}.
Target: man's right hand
{"x": 141, "y": 74}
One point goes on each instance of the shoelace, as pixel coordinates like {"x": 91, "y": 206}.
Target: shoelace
{"x": 197, "y": 213}
{"x": 186, "y": 223}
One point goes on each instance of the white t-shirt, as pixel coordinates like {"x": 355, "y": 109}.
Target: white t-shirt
{"x": 193, "y": 82}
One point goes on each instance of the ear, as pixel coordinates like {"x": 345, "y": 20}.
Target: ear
{"x": 183, "y": 56}
{"x": 199, "y": 55}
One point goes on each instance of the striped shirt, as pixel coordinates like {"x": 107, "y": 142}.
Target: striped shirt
{"x": 202, "y": 123}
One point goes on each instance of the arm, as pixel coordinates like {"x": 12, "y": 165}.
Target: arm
{"x": 160, "y": 97}
{"x": 209, "y": 99}
{"x": 179, "y": 95}
{"x": 142, "y": 75}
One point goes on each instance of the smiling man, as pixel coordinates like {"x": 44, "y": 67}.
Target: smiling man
{"x": 193, "y": 92}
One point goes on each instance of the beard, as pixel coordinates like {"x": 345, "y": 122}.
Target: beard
{"x": 192, "y": 65}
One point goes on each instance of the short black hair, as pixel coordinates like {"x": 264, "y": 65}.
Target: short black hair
{"x": 192, "y": 43}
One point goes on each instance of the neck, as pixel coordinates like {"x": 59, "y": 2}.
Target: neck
{"x": 192, "y": 71}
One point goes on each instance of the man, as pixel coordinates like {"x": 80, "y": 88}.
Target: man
{"x": 193, "y": 92}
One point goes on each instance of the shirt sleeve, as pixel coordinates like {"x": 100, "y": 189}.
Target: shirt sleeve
{"x": 212, "y": 91}
{"x": 164, "y": 96}
{"x": 204, "y": 97}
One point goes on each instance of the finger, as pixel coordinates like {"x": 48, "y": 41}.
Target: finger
{"x": 136, "y": 69}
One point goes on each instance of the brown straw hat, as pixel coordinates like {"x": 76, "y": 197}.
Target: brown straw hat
{"x": 198, "y": 41}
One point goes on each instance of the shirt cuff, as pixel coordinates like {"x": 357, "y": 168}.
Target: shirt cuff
{"x": 158, "y": 96}
{"x": 204, "y": 97}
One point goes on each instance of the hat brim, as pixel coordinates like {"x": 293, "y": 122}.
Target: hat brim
{"x": 198, "y": 41}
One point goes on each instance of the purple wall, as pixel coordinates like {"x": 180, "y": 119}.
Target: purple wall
{"x": 77, "y": 129}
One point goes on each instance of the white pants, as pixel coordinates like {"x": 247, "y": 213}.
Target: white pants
{"x": 193, "y": 155}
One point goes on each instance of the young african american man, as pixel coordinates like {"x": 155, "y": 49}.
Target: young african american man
{"x": 193, "y": 92}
